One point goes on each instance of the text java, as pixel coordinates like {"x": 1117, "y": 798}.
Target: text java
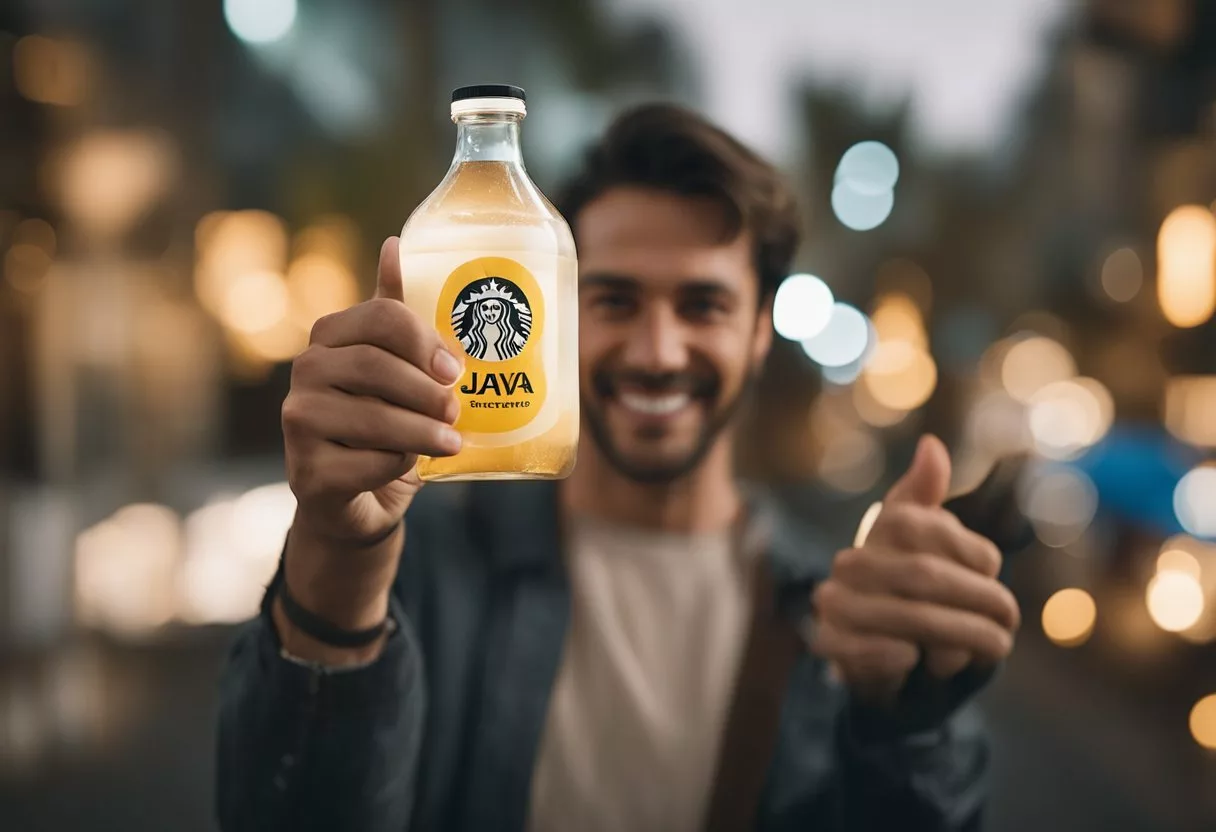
{"x": 500, "y": 384}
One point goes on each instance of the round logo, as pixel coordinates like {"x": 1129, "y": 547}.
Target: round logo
{"x": 493, "y": 309}
{"x": 492, "y": 319}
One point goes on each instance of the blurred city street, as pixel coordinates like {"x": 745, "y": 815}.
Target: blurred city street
{"x": 1010, "y": 242}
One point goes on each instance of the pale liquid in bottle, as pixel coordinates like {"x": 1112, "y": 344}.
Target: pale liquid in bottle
{"x": 491, "y": 265}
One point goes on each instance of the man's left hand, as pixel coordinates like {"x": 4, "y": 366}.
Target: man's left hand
{"x": 920, "y": 580}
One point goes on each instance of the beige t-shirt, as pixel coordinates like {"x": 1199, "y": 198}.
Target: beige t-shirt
{"x": 658, "y": 622}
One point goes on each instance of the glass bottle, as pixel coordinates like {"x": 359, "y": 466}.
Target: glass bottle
{"x": 491, "y": 263}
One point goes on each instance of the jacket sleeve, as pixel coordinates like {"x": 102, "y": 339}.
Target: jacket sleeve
{"x": 920, "y": 768}
{"x": 305, "y": 748}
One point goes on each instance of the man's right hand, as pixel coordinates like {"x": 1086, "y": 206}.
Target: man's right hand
{"x": 372, "y": 392}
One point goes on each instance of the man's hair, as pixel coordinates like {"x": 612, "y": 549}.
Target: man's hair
{"x": 672, "y": 149}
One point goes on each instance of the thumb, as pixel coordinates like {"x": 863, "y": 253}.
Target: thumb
{"x": 388, "y": 276}
{"x": 927, "y": 480}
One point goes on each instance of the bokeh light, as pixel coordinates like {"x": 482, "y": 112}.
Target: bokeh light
{"x": 1066, "y": 417}
{"x": 996, "y": 424}
{"x": 1059, "y": 501}
{"x": 892, "y": 357}
{"x": 1040, "y": 322}
{"x": 1032, "y": 363}
{"x": 1101, "y": 396}
{"x": 232, "y": 547}
{"x": 897, "y": 317}
{"x": 232, "y": 244}
{"x": 802, "y": 307}
{"x": 213, "y": 591}
{"x": 868, "y": 167}
{"x": 843, "y": 340}
{"x": 1175, "y": 600}
{"x": 319, "y": 285}
{"x": 255, "y": 302}
{"x": 1122, "y": 275}
{"x": 124, "y": 572}
{"x": 872, "y": 412}
{"x": 1197, "y": 559}
{"x": 36, "y": 232}
{"x": 1190, "y": 409}
{"x": 1186, "y": 266}
{"x": 899, "y": 376}
{"x": 261, "y": 518}
{"x": 51, "y": 71}
{"x": 1203, "y": 721}
{"x": 1202, "y": 631}
{"x": 861, "y": 211}
{"x": 239, "y": 278}
{"x": 108, "y": 178}
{"x": 26, "y": 266}
{"x": 992, "y": 361}
{"x": 281, "y": 342}
{"x": 335, "y": 236}
{"x": 1195, "y": 501}
{"x": 1179, "y": 560}
{"x": 863, "y": 193}
{"x": 1068, "y": 617}
{"x": 260, "y": 21}
{"x": 844, "y": 375}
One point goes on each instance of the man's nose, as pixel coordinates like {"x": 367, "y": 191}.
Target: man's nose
{"x": 657, "y": 343}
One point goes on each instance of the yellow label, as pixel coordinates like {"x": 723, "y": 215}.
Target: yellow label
{"x": 491, "y": 309}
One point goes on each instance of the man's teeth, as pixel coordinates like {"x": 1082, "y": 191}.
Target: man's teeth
{"x": 654, "y": 405}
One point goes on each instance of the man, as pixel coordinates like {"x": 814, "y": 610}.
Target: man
{"x": 617, "y": 652}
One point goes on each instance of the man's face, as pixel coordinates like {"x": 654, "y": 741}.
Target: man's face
{"x": 670, "y": 328}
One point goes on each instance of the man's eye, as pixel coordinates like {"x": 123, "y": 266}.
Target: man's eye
{"x": 702, "y": 308}
{"x": 612, "y": 303}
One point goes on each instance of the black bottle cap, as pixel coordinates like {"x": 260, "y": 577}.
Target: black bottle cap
{"x": 488, "y": 91}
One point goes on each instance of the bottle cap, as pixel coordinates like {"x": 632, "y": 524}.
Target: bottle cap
{"x": 488, "y": 98}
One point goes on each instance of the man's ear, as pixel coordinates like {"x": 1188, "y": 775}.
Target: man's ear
{"x": 762, "y": 338}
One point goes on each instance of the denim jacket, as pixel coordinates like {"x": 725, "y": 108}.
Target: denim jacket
{"x": 441, "y": 731}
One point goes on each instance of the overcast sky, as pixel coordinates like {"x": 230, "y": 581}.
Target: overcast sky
{"x": 964, "y": 63}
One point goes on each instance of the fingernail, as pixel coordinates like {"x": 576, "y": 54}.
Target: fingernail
{"x": 445, "y": 365}
{"x": 450, "y": 439}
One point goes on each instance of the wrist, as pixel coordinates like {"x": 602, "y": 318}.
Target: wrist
{"x": 346, "y": 584}
{"x": 301, "y": 646}
{"x": 315, "y": 526}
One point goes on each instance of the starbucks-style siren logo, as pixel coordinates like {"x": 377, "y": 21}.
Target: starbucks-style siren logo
{"x": 492, "y": 319}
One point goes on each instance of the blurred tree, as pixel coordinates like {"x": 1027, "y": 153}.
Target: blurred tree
{"x": 600, "y": 55}
{"x": 379, "y": 180}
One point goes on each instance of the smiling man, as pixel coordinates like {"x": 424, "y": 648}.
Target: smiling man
{"x": 673, "y": 327}
{"x": 644, "y": 647}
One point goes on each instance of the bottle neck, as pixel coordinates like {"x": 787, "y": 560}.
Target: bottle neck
{"x": 488, "y": 137}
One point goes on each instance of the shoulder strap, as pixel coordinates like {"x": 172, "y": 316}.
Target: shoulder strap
{"x": 750, "y": 735}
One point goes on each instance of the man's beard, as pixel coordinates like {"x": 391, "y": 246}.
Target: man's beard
{"x": 604, "y": 383}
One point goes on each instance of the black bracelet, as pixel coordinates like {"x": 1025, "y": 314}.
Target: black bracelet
{"x": 317, "y": 628}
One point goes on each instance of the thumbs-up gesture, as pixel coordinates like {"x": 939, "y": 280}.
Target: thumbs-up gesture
{"x": 919, "y": 580}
